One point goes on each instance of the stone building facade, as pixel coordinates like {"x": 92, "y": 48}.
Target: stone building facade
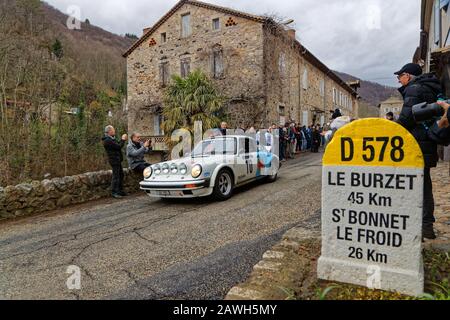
{"x": 266, "y": 74}
{"x": 393, "y": 104}
{"x": 434, "y": 48}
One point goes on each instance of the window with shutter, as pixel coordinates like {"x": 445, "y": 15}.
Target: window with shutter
{"x": 218, "y": 62}
{"x": 437, "y": 22}
{"x": 305, "y": 79}
{"x": 185, "y": 67}
{"x": 164, "y": 74}
{"x": 186, "y": 25}
{"x": 282, "y": 64}
{"x": 216, "y": 24}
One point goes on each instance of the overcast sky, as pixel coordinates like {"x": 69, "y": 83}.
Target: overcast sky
{"x": 370, "y": 39}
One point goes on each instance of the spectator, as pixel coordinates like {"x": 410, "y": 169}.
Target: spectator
{"x": 136, "y": 152}
{"x": 417, "y": 88}
{"x": 298, "y": 137}
{"x": 113, "y": 150}
{"x": 316, "y": 139}
{"x": 283, "y": 142}
{"x": 309, "y": 138}
{"x": 390, "y": 116}
{"x": 292, "y": 141}
{"x": 223, "y": 128}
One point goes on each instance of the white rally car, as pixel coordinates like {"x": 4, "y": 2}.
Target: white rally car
{"x": 216, "y": 167}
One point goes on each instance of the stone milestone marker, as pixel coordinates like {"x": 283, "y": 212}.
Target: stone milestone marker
{"x": 372, "y": 199}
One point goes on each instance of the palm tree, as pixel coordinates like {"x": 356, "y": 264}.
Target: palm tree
{"x": 191, "y": 99}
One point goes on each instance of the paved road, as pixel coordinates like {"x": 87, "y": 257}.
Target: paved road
{"x": 139, "y": 248}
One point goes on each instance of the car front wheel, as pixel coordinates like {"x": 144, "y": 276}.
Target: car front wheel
{"x": 224, "y": 185}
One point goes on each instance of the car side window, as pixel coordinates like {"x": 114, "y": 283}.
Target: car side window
{"x": 250, "y": 146}
{"x": 242, "y": 146}
{"x": 247, "y": 146}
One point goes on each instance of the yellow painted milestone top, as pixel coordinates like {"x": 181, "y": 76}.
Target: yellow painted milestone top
{"x": 374, "y": 142}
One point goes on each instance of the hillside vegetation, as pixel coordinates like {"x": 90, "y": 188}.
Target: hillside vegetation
{"x": 371, "y": 92}
{"x": 47, "y": 70}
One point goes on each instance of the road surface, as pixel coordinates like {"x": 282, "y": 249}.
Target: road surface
{"x": 142, "y": 248}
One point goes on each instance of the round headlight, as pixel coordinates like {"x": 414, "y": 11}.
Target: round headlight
{"x": 183, "y": 169}
{"x": 157, "y": 169}
{"x": 165, "y": 168}
{"x": 148, "y": 172}
{"x": 196, "y": 171}
{"x": 174, "y": 168}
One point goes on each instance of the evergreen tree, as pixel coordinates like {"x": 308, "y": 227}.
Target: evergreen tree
{"x": 57, "y": 49}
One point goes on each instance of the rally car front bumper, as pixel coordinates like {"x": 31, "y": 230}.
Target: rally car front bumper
{"x": 177, "y": 189}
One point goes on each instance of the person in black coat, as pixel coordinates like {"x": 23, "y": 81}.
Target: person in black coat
{"x": 113, "y": 150}
{"x": 316, "y": 139}
{"x": 417, "y": 88}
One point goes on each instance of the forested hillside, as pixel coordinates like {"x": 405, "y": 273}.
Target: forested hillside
{"x": 371, "y": 92}
{"x": 57, "y": 88}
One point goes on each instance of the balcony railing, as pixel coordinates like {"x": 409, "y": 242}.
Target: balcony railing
{"x": 158, "y": 142}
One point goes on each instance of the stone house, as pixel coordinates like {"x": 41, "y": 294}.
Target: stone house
{"x": 393, "y": 104}
{"x": 434, "y": 49}
{"x": 266, "y": 74}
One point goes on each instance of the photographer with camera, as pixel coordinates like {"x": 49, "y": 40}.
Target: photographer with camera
{"x": 136, "y": 152}
{"x": 421, "y": 88}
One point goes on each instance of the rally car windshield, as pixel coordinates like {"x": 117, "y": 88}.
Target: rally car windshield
{"x": 215, "y": 147}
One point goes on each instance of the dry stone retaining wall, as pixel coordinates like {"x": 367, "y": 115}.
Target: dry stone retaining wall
{"x": 41, "y": 196}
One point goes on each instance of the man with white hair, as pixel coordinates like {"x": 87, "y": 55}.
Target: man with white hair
{"x": 417, "y": 88}
{"x": 113, "y": 150}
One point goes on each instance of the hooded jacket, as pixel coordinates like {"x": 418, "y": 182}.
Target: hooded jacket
{"x": 424, "y": 88}
{"x": 113, "y": 150}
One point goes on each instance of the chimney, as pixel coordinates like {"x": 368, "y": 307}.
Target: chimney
{"x": 146, "y": 29}
{"x": 291, "y": 33}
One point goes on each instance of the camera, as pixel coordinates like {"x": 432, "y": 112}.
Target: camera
{"x": 423, "y": 111}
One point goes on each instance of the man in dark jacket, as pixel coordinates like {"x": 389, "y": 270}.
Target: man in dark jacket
{"x": 115, "y": 157}
{"x": 417, "y": 88}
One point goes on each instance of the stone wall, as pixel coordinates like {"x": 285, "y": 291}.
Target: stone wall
{"x": 41, "y": 196}
{"x": 294, "y": 83}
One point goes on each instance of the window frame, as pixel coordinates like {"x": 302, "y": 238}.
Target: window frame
{"x": 322, "y": 87}
{"x": 437, "y": 22}
{"x": 158, "y": 120}
{"x": 214, "y": 25}
{"x": 305, "y": 79}
{"x": 282, "y": 64}
{"x": 186, "y": 33}
{"x": 164, "y": 73}
{"x": 218, "y": 56}
{"x": 183, "y": 71}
